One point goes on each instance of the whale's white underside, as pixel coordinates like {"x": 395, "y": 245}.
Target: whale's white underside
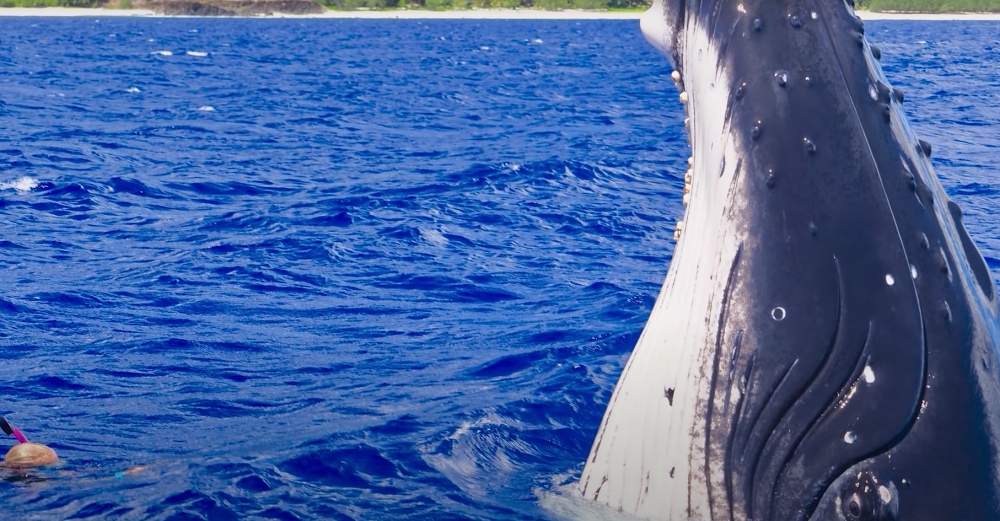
{"x": 649, "y": 453}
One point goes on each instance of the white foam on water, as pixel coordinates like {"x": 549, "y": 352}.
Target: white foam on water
{"x": 132, "y": 90}
{"x": 21, "y": 185}
{"x": 163, "y": 53}
{"x": 478, "y": 458}
{"x": 206, "y": 108}
{"x": 536, "y": 40}
{"x": 197, "y": 53}
{"x": 514, "y": 167}
{"x": 434, "y": 237}
{"x": 565, "y": 503}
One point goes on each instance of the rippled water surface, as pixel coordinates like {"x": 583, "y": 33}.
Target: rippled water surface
{"x": 318, "y": 269}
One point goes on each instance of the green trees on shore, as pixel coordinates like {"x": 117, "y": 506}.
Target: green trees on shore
{"x": 906, "y": 6}
{"x": 50, "y": 3}
{"x": 486, "y": 4}
{"x": 437, "y": 5}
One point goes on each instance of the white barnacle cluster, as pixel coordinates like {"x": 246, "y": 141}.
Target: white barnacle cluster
{"x": 686, "y": 198}
{"x": 688, "y": 176}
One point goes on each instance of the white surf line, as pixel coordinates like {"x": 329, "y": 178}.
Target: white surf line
{"x": 402, "y": 14}
{"x": 930, "y": 17}
{"x": 464, "y": 14}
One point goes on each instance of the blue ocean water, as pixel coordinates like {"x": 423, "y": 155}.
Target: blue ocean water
{"x": 343, "y": 269}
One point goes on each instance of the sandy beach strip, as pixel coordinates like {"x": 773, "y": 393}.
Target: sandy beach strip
{"x": 466, "y": 14}
{"x": 932, "y": 17}
{"x": 407, "y": 14}
{"x": 481, "y": 14}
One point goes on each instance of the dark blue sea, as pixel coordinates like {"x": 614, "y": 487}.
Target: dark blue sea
{"x": 342, "y": 269}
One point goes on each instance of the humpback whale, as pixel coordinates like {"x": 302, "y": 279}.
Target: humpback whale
{"x": 825, "y": 344}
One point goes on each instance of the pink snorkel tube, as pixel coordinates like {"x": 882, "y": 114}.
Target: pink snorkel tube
{"x": 11, "y": 430}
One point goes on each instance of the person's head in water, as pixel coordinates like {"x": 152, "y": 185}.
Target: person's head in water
{"x": 25, "y": 454}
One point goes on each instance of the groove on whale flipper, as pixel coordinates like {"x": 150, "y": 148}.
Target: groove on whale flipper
{"x": 778, "y": 450}
{"x": 846, "y": 387}
{"x": 737, "y": 342}
{"x": 719, "y": 336}
{"x": 749, "y": 484}
{"x": 750, "y": 434}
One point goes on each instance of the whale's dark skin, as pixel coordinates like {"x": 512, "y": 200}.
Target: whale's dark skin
{"x": 878, "y": 396}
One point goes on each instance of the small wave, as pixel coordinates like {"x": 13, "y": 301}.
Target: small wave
{"x": 196, "y": 53}
{"x": 565, "y": 503}
{"x": 163, "y": 53}
{"x": 361, "y": 467}
{"x": 507, "y": 365}
{"x": 133, "y": 90}
{"x": 21, "y": 184}
{"x": 973, "y": 189}
{"x": 536, "y": 40}
{"x": 206, "y": 108}
{"x": 488, "y": 446}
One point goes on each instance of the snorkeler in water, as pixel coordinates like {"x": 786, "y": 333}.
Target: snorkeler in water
{"x": 25, "y": 454}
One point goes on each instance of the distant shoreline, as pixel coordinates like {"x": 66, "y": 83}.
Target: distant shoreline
{"x": 411, "y": 14}
{"x": 461, "y": 14}
{"x": 967, "y": 17}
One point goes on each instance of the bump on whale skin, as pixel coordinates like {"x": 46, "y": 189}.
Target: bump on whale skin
{"x": 825, "y": 344}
